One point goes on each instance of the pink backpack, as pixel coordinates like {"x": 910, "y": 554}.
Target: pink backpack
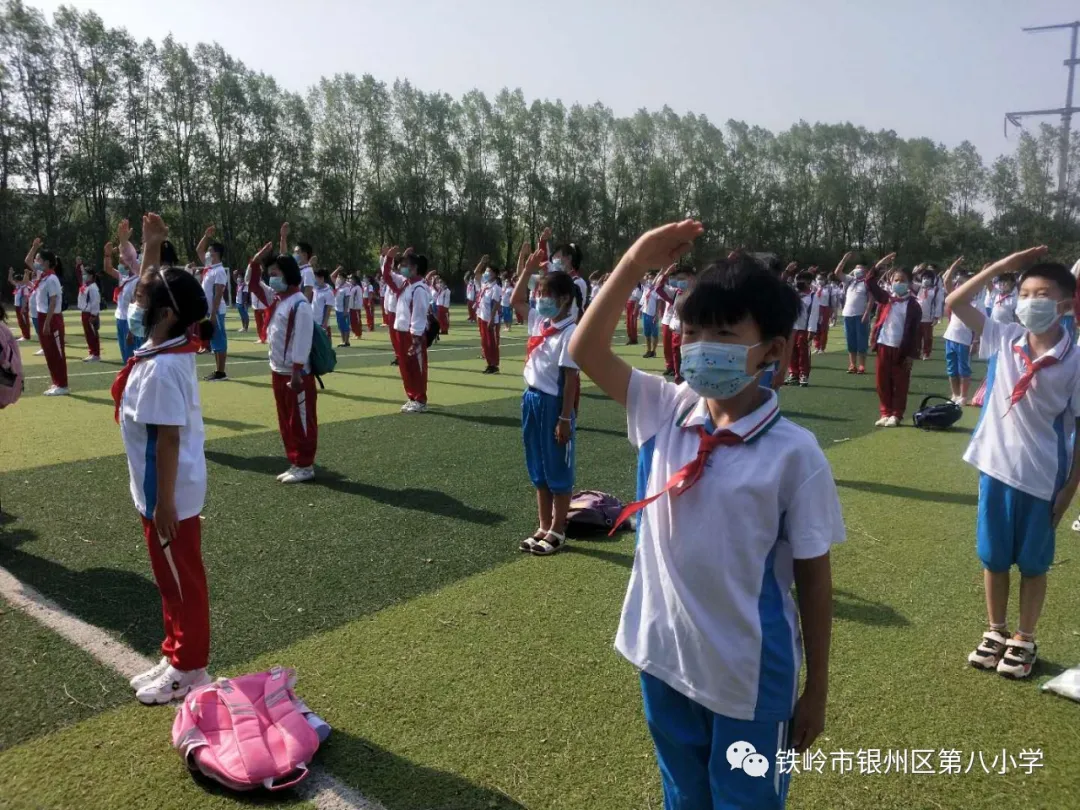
{"x": 11, "y": 370}
{"x": 247, "y": 732}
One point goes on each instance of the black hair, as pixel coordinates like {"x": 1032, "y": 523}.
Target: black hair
{"x": 290, "y": 270}
{"x": 163, "y": 287}
{"x": 559, "y": 285}
{"x": 573, "y": 251}
{"x": 169, "y": 256}
{"x": 321, "y": 272}
{"x": 219, "y": 249}
{"x": 904, "y": 270}
{"x": 52, "y": 260}
{"x": 305, "y": 248}
{"x": 804, "y": 278}
{"x": 737, "y": 287}
{"x": 1057, "y": 273}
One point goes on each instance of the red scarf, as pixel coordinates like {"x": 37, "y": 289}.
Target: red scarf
{"x": 535, "y": 341}
{"x": 686, "y": 477}
{"x": 35, "y": 284}
{"x": 120, "y": 383}
{"x": 1028, "y": 377}
{"x": 884, "y": 316}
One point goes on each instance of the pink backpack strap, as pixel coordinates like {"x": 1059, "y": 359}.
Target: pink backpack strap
{"x": 298, "y": 740}
{"x": 253, "y": 751}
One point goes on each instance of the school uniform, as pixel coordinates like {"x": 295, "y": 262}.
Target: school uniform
{"x": 410, "y": 322}
{"x": 307, "y": 278}
{"x": 258, "y": 308}
{"x": 158, "y": 387}
{"x": 957, "y": 348}
{"x": 342, "y": 301}
{"x": 507, "y": 291}
{"x": 666, "y": 331}
{"x": 988, "y": 301}
{"x": 240, "y": 300}
{"x": 583, "y": 288}
{"x": 89, "y": 303}
{"x": 389, "y": 299}
{"x": 123, "y": 297}
{"x": 823, "y": 296}
{"x": 369, "y": 305}
{"x": 290, "y": 326}
{"x": 709, "y": 617}
{"x": 649, "y": 303}
{"x": 932, "y": 306}
{"x": 470, "y": 300}
{"x": 322, "y": 301}
{"x": 49, "y": 297}
{"x": 487, "y": 305}
{"x": 22, "y": 300}
{"x": 356, "y": 309}
{"x": 550, "y": 465}
{"x": 896, "y": 341}
{"x": 215, "y": 276}
{"x": 856, "y": 299}
{"x": 442, "y": 306}
{"x": 32, "y": 295}
{"x": 805, "y": 325}
{"x": 1003, "y": 309}
{"x": 1022, "y": 446}
{"x": 633, "y": 305}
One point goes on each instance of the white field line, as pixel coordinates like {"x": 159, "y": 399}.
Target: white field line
{"x": 321, "y": 788}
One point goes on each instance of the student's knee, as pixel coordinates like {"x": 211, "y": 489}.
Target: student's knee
{"x": 1036, "y": 553}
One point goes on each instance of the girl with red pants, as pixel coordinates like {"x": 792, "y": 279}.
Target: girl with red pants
{"x": 50, "y": 319}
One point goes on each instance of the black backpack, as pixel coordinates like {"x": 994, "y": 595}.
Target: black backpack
{"x": 431, "y": 334}
{"x": 937, "y": 417}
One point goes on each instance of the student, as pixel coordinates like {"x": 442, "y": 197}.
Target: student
{"x": 805, "y": 325}
{"x": 895, "y": 339}
{"x": 342, "y": 293}
{"x": 356, "y": 306}
{"x": 369, "y": 303}
{"x": 857, "y": 303}
{"x": 958, "y": 338}
{"x": 1003, "y": 309}
{"x": 157, "y": 407}
{"x": 633, "y": 308}
{"x": 34, "y": 275}
{"x": 823, "y": 293}
{"x": 410, "y": 323}
{"x": 470, "y": 299}
{"x": 666, "y": 292}
{"x": 290, "y": 326}
{"x": 1022, "y": 446}
{"x": 566, "y": 258}
{"x": 322, "y": 300}
{"x": 126, "y": 276}
{"x": 89, "y": 304}
{"x": 442, "y": 305}
{"x": 487, "y": 306}
{"x": 258, "y": 308}
{"x": 931, "y": 305}
{"x": 675, "y": 281}
{"x": 709, "y": 617}
{"x": 22, "y": 300}
{"x": 649, "y": 326}
{"x": 215, "y": 280}
{"x": 50, "y": 318}
{"x": 240, "y": 299}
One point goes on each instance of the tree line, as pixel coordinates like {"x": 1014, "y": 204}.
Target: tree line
{"x": 96, "y": 126}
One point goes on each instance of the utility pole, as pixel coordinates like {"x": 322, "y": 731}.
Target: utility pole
{"x": 1065, "y": 112}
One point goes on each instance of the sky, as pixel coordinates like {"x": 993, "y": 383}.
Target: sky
{"x": 944, "y": 69}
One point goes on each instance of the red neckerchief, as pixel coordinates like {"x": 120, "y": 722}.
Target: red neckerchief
{"x": 1002, "y": 298}
{"x": 887, "y": 308}
{"x": 1030, "y": 369}
{"x": 535, "y": 341}
{"x": 120, "y": 383}
{"x": 35, "y": 284}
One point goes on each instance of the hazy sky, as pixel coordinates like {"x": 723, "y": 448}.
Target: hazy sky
{"x": 945, "y": 69}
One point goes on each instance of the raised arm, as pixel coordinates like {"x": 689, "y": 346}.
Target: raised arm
{"x": 283, "y": 238}
{"x": 204, "y": 243}
{"x": 155, "y": 231}
{"x": 839, "y": 273}
{"x": 946, "y": 280}
{"x": 519, "y": 299}
{"x": 107, "y": 261}
{"x": 960, "y": 299}
{"x": 590, "y": 345}
{"x": 481, "y": 267}
{"x": 255, "y": 269}
{"x": 395, "y": 282}
{"x": 34, "y": 247}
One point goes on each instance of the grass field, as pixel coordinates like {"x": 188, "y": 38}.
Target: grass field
{"x": 456, "y": 673}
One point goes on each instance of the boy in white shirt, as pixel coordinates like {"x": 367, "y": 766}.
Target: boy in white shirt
{"x": 89, "y": 303}
{"x": 215, "y": 281}
{"x": 857, "y": 306}
{"x": 487, "y": 314}
{"x": 442, "y": 306}
{"x": 1022, "y": 446}
{"x": 356, "y": 306}
{"x": 650, "y": 329}
{"x": 410, "y": 323}
{"x": 932, "y": 306}
{"x": 1004, "y": 299}
{"x": 322, "y": 300}
{"x": 470, "y": 299}
{"x": 958, "y": 339}
{"x": 737, "y": 505}
{"x": 342, "y": 293}
{"x": 805, "y": 326}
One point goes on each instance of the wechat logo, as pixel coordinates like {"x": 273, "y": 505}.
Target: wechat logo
{"x": 744, "y": 756}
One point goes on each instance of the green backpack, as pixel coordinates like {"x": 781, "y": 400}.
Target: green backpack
{"x": 323, "y": 358}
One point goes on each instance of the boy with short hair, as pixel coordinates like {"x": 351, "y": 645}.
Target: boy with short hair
{"x": 1022, "y": 446}
{"x": 737, "y": 504}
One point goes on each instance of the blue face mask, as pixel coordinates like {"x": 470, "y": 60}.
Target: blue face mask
{"x": 680, "y": 284}
{"x": 122, "y": 270}
{"x": 277, "y": 284}
{"x": 137, "y": 321}
{"x": 38, "y": 267}
{"x": 900, "y": 289}
{"x": 716, "y": 370}
{"x": 296, "y": 256}
{"x": 859, "y": 274}
{"x": 547, "y": 307}
{"x": 406, "y": 271}
{"x": 487, "y": 277}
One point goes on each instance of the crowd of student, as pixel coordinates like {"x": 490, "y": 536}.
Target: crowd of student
{"x": 736, "y": 506}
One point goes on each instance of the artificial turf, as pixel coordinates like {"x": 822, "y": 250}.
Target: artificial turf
{"x": 459, "y": 676}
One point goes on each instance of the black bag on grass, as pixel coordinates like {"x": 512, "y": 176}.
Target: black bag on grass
{"x": 592, "y": 514}
{"x": 431, "y": 334}
{"x": 937, "y": 417}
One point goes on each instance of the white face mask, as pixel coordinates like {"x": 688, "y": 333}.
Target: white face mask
{"x": 1037, "y": 315}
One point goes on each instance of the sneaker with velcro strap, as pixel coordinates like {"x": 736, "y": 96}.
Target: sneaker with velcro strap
{"x": 1019, "y": 658}
{"x": 989, "y": 652}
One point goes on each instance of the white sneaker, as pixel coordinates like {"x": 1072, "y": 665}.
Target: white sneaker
{"x": 1018, "y": 659}
{"x": 407, "y": 407}
{"x": 152, "y": 674}
{"x": 299, "y": 475}
{"x": 20, "y": 339}
{"x": 39, "y": 353}
{"x": 171, "y": 684}
{"x": 419, "y": 407}
{"x": 882, "y": 422}
{"x": 1076, "y": 525}
{"x": 57, "y": 391}
{"x": 892, "y": 421}
{"x": 92, "y": 359}
{"x": 287, "y": 473}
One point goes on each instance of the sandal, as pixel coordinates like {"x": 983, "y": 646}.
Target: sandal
{"x": 549, "y": 545}
{"x": 529, "y": 543}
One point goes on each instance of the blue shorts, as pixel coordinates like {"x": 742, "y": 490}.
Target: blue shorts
{"x": 692, "y": 751}
{"x": 857, "y": 332}
{"x": 219, "y": 342}
{"x": 649, "y": 327}
{"x": 957, "y": 359}
{"x": 508, "y": 315}
{"x": 550, "y": 465}
{"x": 343, "y": 325}
{"x": 1013, "y": 528}
{"x": 1069, "y": 322}
{"x": 122, "y": 339}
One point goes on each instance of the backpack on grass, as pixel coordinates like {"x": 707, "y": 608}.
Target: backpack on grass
{"x": 592, "y": 513}
{"x": 11, "y": 370}
{"x": 431, "y": 333}
{"x": 937, "y": 417}
{"x": 248, "y": 732}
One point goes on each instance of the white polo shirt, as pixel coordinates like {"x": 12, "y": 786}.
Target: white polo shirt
{"x": 1029, "y": 447}
{"x": 892, "y": 331}
{"x": 163, "y": 390}
{"x": 809, "y": 312}
{"x": 356, "y": 299}
{"x": 543, "y": 368}
{"x": 855, "y": 296}
{"x": 283, "y": 357}
{"x": 583, "y": 287}
{"x": 931, "y": 299}
{"x": 215, "y": 276}
{"x": 412, "y": 308}
{"x": 635, "y": 296}
{"x": 321, "y": 300}
{"x": 90, "y": 299}
{"x": 443, "y": 298}
{"x": 127, "y": 295}
{"x": 487, "y": 303}
{"x": 649, "y": 299}
{"x": 342, "y": 296}
{"x": 47, "y": 289}
{"x": 669, "y": 312}
{"x": 1004, "y": 307}
{"x": 507, "y": 294}
{"x": 470, "y": 291}
{"x": 20, "y": 290}
{"x": 307, "y": 276}
{"x": 957, "y": 331}
{"x": 709, "y": 608}
{"x": 256, "y": 300}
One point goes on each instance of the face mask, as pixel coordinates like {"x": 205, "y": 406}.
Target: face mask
{"x": 556, "y": 266}
{"x": 277, "y": 284}
{"x": 123, "y": 271}
{"x": 406, "y": 271}
{"x": 859, "y": 275}
{"x": 137, "y": 321}
{"x": 716, "y": 370}
{"x": 899, "y": 289}
{"x": 87, "y": 278}
{"x": 680, "y": 284}
{"x": 547, "y": 307}
{"x": 38, "y": 267}
{"x": 296, "y": 256}
{"x": 486, "y": 278}
{"x": 1037, "y": 315}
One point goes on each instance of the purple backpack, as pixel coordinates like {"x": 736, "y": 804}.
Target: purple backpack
{"x": 592, "y": 512}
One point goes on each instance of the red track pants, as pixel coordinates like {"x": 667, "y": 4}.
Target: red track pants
{"x": 413, "y": 365}
{"x": 893, "y": 380}
{"x": 800, "y": 355}
{"x": 91, "y": 325}
{"x": 297, "y": 420}
{"x": 53, "y": 344}
{"x": 489, "y": 342}
{"x": 631, "y": 321}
